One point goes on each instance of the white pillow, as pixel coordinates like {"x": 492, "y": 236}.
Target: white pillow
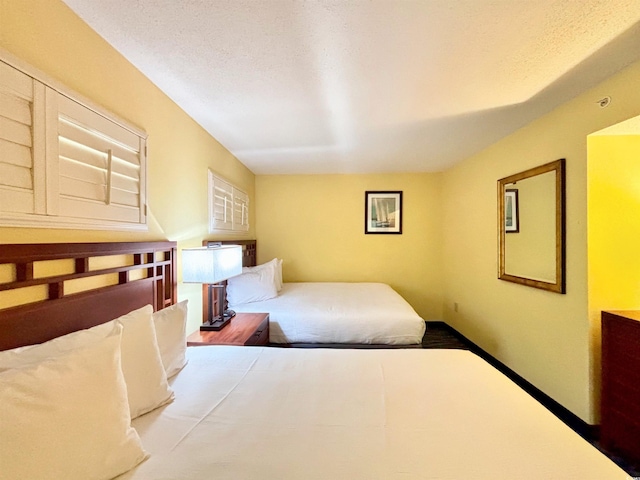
{"x": 171, "y": 324}
{"x": 253, "y": 286}
{"x": 144, "y": 373}
{"x": 279, "y": 273}
{"x": 275, "y": 264}
{"x": 68, "y": 417}
{"x": 22, "y": 356}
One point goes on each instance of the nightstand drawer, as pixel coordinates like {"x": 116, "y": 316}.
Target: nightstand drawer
{"x": 261, "y": 337}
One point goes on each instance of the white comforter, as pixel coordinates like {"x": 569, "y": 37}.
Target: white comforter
{"x": 325, "y": 312}
{"x": 245, "y": 413}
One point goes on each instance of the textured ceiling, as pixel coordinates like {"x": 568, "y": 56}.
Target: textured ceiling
{"x": 293, "y": 86}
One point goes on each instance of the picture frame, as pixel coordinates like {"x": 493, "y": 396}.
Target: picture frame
{"x": 511, "y": 212}
{"x": 383, "y": 212}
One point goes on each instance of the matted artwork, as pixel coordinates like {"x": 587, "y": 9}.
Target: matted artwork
{"x": 383, "y": 212}
{"x": 511, "y": 220}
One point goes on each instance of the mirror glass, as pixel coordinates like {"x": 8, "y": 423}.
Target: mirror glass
{"x": 531, "y": 227}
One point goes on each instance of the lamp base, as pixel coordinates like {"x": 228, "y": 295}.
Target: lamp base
{"x": 215, "y": 325}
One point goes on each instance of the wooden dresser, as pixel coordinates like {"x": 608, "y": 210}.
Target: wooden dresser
{"x": 620, "y": 414}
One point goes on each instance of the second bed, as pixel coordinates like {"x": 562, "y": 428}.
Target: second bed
{"x": 320, "y": 313}
{"x": 311, "y": 314}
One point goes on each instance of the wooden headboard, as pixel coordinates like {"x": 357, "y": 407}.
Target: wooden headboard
{"x": 49, "y": 290}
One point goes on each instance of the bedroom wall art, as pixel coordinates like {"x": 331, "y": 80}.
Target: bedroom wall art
{"x": 383, "y": 212}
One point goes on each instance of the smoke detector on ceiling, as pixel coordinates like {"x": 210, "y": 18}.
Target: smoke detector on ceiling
{"x": 604, "y": 102}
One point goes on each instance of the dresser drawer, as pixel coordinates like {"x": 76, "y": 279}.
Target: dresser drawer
{"x": 620, "y": 414}
{"x": 620, "y": 436}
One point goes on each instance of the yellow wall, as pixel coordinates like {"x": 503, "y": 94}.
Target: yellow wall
{"x": 543, "y": 336}
{"x": 50, "y": 37}
{"x": 614, "y": 228}
{"x": 315, "y": 223}
{"x": 614, "y": 222}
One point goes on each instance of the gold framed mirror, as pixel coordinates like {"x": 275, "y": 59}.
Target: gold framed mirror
{"x": 531, "y": 227}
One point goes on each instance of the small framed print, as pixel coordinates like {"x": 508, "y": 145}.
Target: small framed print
{"x": 511, "y": 220}
{"x": 383, "y": 212}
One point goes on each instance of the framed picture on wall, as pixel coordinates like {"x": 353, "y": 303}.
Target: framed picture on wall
{"x": 511, "y": 220}
{"x": 383, "y": 212}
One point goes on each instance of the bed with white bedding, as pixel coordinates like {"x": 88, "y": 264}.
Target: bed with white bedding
{"x": 269, "y": 413}
{"x": 311, "y": 314}
{"x": 339, "y": 313}
{"x": 100, "y": 385}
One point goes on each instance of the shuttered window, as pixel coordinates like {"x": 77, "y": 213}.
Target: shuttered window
{"x": 240, "y": 210}
{"x": 100, "y": 165}
{"x": 21, "y": 172}
{"x": 66, "y": 164}
{"x": 220, "y": 204}
{"x": 228, "y": 206}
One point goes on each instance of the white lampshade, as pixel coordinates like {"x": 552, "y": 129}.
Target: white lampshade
{"x": 211, "y": 264}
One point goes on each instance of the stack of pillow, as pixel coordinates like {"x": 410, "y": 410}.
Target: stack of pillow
{"x": 255, "y": 284}
{"x": 66, "y": 405}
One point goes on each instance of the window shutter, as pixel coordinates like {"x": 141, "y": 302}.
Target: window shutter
{"x": 228, "y": 206}
{"x": 240, "y": 210}
{"x": 65, "y": 163}
{"x": 100, "y": 165}
{"x": 21, "y": 152}
{"x": 220, "y": 204}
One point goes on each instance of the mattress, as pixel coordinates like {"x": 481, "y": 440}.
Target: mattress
{"x": 270, "y": 413}
{"x": 326, "y": 312}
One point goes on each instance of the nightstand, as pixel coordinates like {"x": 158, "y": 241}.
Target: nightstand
{"x": 244, "y": 329}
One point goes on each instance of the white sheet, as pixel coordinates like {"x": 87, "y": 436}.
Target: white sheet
{"x": 325, "y": 312}
{"x": 244, "y": 413}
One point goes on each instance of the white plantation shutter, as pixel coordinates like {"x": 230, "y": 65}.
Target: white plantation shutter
{"x": 21, "y": 167}
{"x": 240, "y": 210}
{"x": 228, "y": 206}
{"x": 220, "y": 204}
{"x": 100, "y": 166}
{"x": 63, "y": 163}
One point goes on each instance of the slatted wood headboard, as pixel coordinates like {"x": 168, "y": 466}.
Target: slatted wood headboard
{"x": 90, "y": 284}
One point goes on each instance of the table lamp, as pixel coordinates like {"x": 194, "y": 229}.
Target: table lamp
{"x": 211, "y": 265}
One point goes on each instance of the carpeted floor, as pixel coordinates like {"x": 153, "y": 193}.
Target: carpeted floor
{"x": 441, "y": 335}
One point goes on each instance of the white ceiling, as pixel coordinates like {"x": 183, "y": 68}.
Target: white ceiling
{"x": 293, "y": 86}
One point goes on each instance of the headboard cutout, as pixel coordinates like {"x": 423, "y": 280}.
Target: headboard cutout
{"x": 139, "y": 273}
